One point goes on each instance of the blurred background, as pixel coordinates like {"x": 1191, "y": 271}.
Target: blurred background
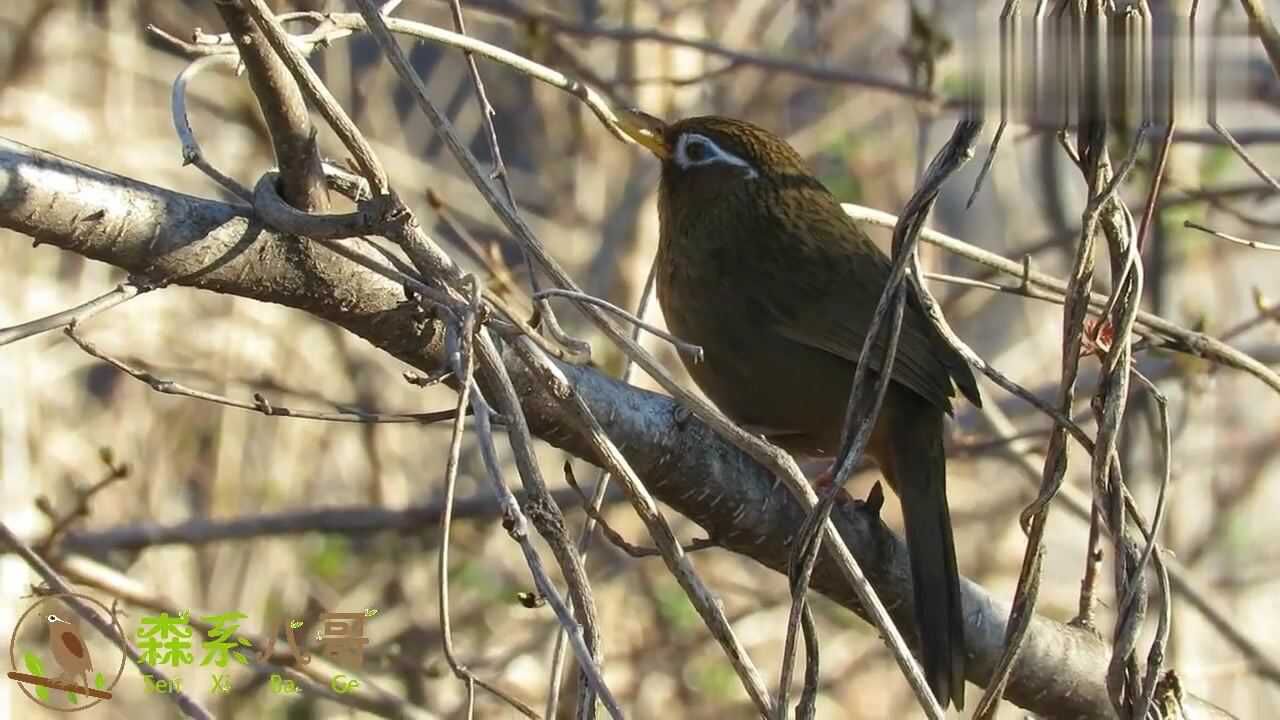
{"x": 841, "y": 82}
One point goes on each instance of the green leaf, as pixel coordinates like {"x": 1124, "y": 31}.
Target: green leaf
{"x": 34, "y": 667}
{"x": 100, "y": 681}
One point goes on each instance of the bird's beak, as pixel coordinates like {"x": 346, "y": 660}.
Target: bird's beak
{"x": 646, "y": 130}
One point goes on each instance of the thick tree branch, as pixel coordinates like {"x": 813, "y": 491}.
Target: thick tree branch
{"x": 292, "y": 134}
{"x": 170, "y": 238}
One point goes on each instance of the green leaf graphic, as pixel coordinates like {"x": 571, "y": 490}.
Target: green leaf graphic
{"x": 34, "y": 667}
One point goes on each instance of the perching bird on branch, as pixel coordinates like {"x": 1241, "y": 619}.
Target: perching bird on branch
{"x": 758, "y": 264}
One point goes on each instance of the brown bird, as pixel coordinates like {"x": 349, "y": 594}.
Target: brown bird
{"x": 68, "y": 649}
{"x": 758, "y": 264}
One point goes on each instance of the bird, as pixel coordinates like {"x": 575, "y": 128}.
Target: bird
{"x": 68, "y": 649}
{"x": 759, "y": 266}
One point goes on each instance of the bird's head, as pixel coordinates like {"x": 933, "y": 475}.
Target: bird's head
{"x": 51, "y": 618}
{"x": 711, "y": 159}
{"x": 710, "y": 148}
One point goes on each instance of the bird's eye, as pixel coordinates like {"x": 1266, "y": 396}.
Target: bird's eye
{"x": 697, "y": 150}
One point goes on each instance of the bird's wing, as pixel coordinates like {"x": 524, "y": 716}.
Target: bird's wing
{"x": 916, "y": 364}
{"x": 832, "y": 306}
{"x": 72, "y": 644}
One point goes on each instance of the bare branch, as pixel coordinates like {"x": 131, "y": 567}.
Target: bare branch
{"x": 736, "y": 58}
{"x": 122, "y": 293}
{"x": 1184, "y": 340}
{"x": 260, "y": 403}
{"x": 693, "y": 351}
{"x": 462, "y": 360}
{"x": 293, "y": 137}
{"x": 342, "y": 520}
{"x": 191, "y": 152}
{"x": 1255, "y": 244}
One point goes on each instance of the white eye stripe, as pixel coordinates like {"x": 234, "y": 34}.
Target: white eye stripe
{"x": 707, "y": 153}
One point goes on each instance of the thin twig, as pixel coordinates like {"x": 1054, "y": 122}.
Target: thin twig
{"x": 1185, "y": 340}
{"x": 615, "y": 537}
{"x": 545, "y": 314}
{"x": 1261, "y": 23}
{"x": 516, "y": 524}
{"x": 687, "y": 348}
{"x": 1089, "y": 582}
{"x": 373, "y": 217}
{"x": 1034, "y": 518}
{"x": 191, "y": 153}
{"x": 462, "y": 360}
{"x": 865, "y": 399}
{"x": 1267, "y": 312}
{"x": 203, "y": 43}
{"x": 1255, "y": 244}
{"x": 831, "y": 74}
{"x": 122, "y": 293}
{"x": 334, "y": 520}
{"x": 115, "y": 473}
{"x": 260, "y": 404}
{"x": 1010, "y": 31}
{"x": 602, "y": 487}
{"x": 1156, "y": 654}
{"x": 596, "y": 102}
{"x": 1260, "y": 20}
{"x": 700, "y": 596}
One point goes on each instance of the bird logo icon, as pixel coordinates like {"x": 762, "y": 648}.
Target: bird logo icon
{"x": 66, "y": 622}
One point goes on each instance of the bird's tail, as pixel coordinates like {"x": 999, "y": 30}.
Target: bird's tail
{"x": 920, "y": 474}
